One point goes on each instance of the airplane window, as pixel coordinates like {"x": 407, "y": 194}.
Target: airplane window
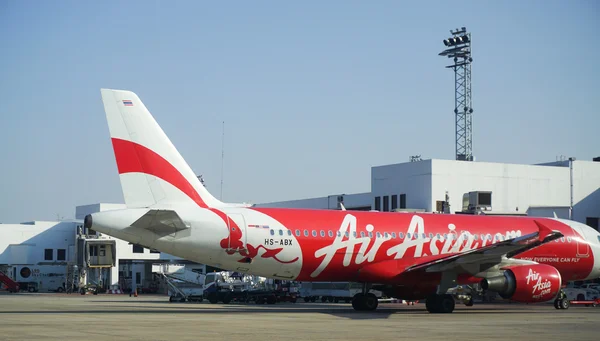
{"x": 362, "y": 233}
{"x": 272, "y": 232}
{"x": 562, "y": 239}
{"x": 423, "y": 235}
{"x": 386, "y": 235}
{"x": 370, "y": 234}
{"x": 306, "y": 233}
{"x": 416, "y": 236}
{"x": 482, "y": 236}
{"x": 394, "y": 235}
{"x": 346, "y": 233}
{"x": 329, "y": 233}
{"x": 401, "y": 235}
{"x": 378, "y": 234}
{"x": 339, "y": 234}
{"x": 569, "y": 239}
{"x": 475, "y": 237}
{"x": 298, "y": 233}
{"x": 281, "y": 232}
{"x": 314, "y": 233}
{"x": 489, "y": 237}
{"x": 431, "y": 235}
{"x": 354, "y": 234}
{"x": 438, "y": 236}
{"x": 408, "y": 235}
{"x": 289, "y": 232}
{"x": 322, "y": 233}
{"x": 445, "y": 236}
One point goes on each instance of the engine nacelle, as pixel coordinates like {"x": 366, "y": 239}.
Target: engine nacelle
{"x": 526, "y": 283}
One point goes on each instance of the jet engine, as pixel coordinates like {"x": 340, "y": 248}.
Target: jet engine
{"x": 526, "y": 283}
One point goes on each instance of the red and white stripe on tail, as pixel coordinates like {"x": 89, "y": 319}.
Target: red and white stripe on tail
{"x": 151, "y": 170}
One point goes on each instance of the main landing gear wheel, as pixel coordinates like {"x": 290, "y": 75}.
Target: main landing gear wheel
{"x": 365, "y": 302}
{"x": 440, "y": 304}
{"x": 562, "y": 303}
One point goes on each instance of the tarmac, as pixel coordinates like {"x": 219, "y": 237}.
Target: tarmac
{"x": 49, "y": 316}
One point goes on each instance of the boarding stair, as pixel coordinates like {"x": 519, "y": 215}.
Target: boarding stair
{"x": 184, "y": 284}
{"x": 11, "y": 285}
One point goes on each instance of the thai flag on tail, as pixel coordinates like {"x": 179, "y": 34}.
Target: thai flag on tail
{"x": 127, "y": 103}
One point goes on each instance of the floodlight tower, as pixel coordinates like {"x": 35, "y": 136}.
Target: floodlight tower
{"x": 459, "y": 48}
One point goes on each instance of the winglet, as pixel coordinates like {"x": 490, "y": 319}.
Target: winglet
{"x": 545, "y": 232}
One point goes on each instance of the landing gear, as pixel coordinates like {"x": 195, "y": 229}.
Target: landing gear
{"x": 469, "y": 301}
{"x": 365, "y": 302}
{"x": 561, "y": 301}
{"x": 440, "y": 303}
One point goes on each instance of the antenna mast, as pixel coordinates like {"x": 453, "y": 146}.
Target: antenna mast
{"x": 222, "y": 158}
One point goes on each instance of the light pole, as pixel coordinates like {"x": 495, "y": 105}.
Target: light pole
{"x": 459, "y": 49}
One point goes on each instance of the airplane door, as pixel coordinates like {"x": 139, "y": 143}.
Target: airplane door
{"x": 583, "y": 248}
{"x": 237, "y": 231}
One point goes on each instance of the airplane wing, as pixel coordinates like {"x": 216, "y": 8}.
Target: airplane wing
{"x": 491, "y": 254}
{"x": 476, "y": 261}
{"x": 161, "y": 222}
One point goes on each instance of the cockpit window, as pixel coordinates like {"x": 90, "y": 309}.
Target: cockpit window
{"x": 599, "y": 238}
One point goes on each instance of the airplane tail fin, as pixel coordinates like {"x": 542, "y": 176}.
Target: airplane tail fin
{"x": 151, "y": 170}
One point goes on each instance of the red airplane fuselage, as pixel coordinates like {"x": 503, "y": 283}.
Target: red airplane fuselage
{"x": 337, "y": 245}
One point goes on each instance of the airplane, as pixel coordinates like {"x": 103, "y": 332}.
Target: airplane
{"x": 410, "y": 256}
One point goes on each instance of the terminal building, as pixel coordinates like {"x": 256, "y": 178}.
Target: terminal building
{"x": 568, "y": 189}
{"x": 60, "y": 255}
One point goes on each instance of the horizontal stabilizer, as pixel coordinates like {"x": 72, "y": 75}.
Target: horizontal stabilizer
{"x": 161, "y": 222}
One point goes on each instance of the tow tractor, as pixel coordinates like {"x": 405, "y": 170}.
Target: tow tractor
{"x": 592, "y": 303}
{"x": 577, "y": 296}
{"x": 563, "y": 301}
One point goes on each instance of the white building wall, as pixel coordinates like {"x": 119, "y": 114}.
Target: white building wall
{"x": 549, "y": 212}
{"x": 412, "y": 179}
{"x": 313, "y": 203}
{"x": 83, "y": 210}
{"x": 586, "y": 190}
{"x": 514, "y": 187}
{"x": 328, "y": 202}
{"x": 25, "y": 243}
{"x": 356, "y": 200}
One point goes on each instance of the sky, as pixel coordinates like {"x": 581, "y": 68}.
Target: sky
{"x": 313, "y": 93}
